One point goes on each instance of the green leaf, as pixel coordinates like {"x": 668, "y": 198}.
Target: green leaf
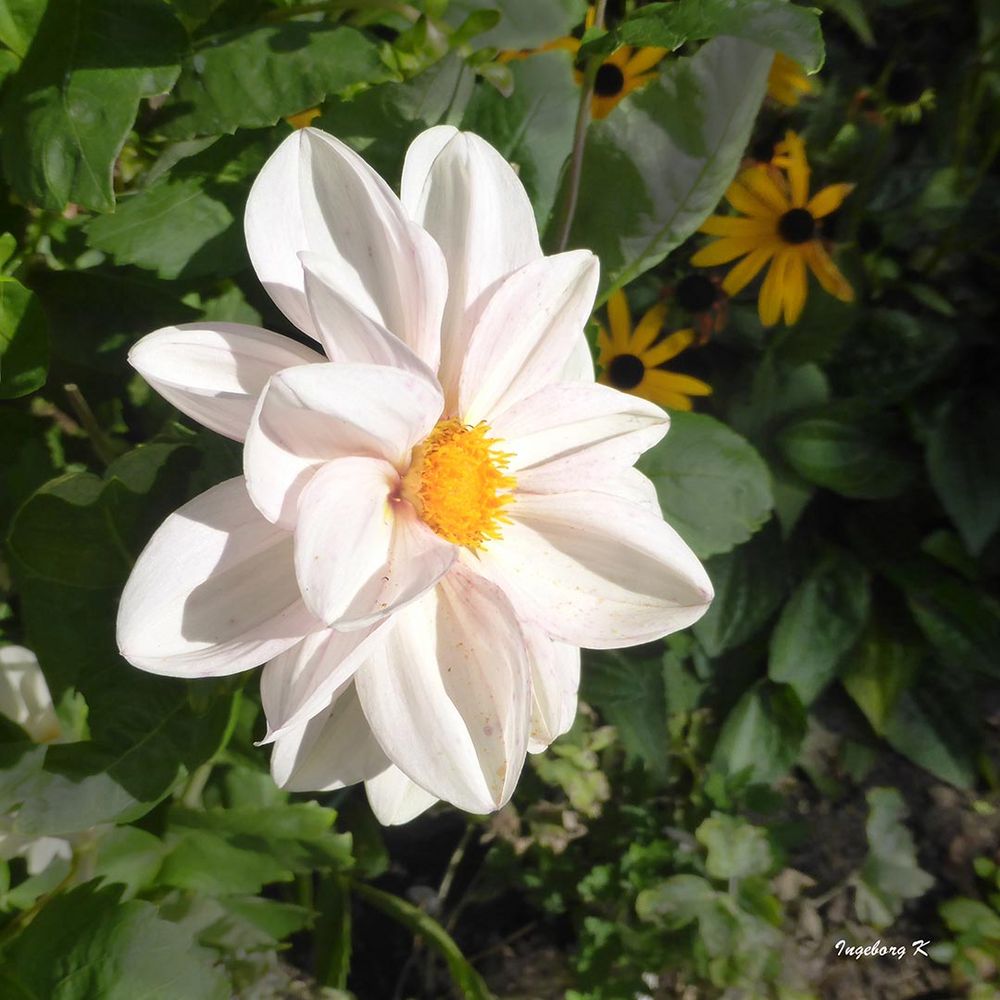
{"x": 967, "y": 485}
{"x": 24, "y": 344}
{"x": 890, "y": 875}
{"x": 853, "y": 455}
{"x": 877, "y": 675}
{"x": 524, "y": 24}
{"x": 695, "y": 121}
{"x": 19, "y": 20}
{"x": 761, "y": 736}
{"x": 241, "y": 850}
{"x": 189, "y": 222}
{"x": 713, "y": 486}
{"x": 818, "y": 626}
{"x": 70, "y": 106}
{"x": 750, "y": 583}
{"x": 735, "y": 848}
{"x": 464, "y": 976}
{"x": 71, "y": 546}
{"x": 853, "y": 14}
{"x": 630, "y": 694}
{"x": 676, "y": 902}
{"x": 774, "y": 24}
{"x": 253, "y": 77}
{"x": 84, "y": 944}
{"x": 380, "y": 122}
{"x": 533, "y": 128}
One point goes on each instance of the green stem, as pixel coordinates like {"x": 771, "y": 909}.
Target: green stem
{"x": 565, "y": 225}
{"x": 104, "y": 447}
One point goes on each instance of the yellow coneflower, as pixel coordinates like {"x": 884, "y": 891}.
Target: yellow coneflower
{"x": 625, "y": 70}
{"x": 780, "y": 226}
{"x": 631, "y": 359}
{"x": 787, "y": 82}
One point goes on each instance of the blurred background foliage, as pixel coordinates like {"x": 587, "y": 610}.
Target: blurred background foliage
{"x": 814, "y": 762}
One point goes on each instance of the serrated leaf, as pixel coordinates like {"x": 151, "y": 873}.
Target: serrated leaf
{"x": 776, "y": 24}
{"x": 630, "y": 694}
{"x": 694, "y": 121}
{"x": 533, "y": 128}
{"x": 849, "y": 454}
{"x": 86, "y": 944}
{"x": 736, "y": 849}
{"x": 750, "y": 583}
{"x": 24, "y": 342}
{"x": 818, "y": 626}
{"x": 762, "y": 734}
{"x": 891, "y": 874}
{"x": 713, "y": 486}
{"x": 967, "y": 485}
{"x": 71, "y": 104}
{"x": 254, "y": 76}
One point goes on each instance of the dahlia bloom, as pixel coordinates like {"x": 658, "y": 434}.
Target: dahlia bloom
{"x": 436, "y": 513}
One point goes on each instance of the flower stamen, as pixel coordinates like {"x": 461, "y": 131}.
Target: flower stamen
{"x": 458, "y": 483}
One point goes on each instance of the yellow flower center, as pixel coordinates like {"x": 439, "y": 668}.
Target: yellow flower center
{"x": 458, "y": 484}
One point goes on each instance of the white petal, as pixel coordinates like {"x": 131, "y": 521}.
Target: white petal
{"x": 347, "y": 334}
{"x": 555, "y": 680}
{"x": 580, "y": 366}
{"x": 301, "y": 682}
{"x": 24, "y": 695}
{"x": 214, "y": 591}
{"x": 526, "y": 333}
{"x": 448, "y": 695}
{"x": 395, "y": 799}
{"x": 315, "y": 413}
{"x": 586, "y": 422}
{"x": 316, "y": 194}
{"x": 214, "y": 372}
{"x": 466, "y": 195}
{"x": 343, "y": 532}
{"x": 595, "y": 570}
{"x": 333, "y": 749}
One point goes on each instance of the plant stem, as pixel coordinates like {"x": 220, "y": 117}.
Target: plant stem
{"x": 104, "y": 447}
{"x": 579, "y": 139}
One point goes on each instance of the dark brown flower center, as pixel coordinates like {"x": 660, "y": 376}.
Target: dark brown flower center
{"x": 626, "y": 371}
{"x": 696, "y": 293}
{"x": 797, "y": 226}
{"x": 610, "y": 81}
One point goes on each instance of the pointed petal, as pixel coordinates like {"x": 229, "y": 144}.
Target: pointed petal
{"x": 772, "y": 290}
{"x": 527, "y": 332}
{"x": 594, "y": 570}
{"x": 644, "y": 59}
{"x": 214, "y": 591}
{"x": 723, "y": 250}
{"x": 828, "y": 200}
{"x": 301, "y": 682}
{"x": 316, "y": 413}
{"x": 748, "y": 268}
{"x": 555, "y": 680}
{"x": 761, "y": 183}
{"x": 316, "y": 194}
{"x": 795, "y": 287}
{"x": 668, "y": 348}
{"x": 332, "y": 750}
{"x": 732, "y": 225}
{"x": 580, "y": 366}
{"x": 214, "y": 372}
{"x": 469, "y": 199}
{"x": 619, "y": 319}
{"x": 448, "y": 695}
{"x": 583, "y": 422}
{"x": 348, "y": 334}
{"x": 395, "y": 799}
{"x": 359, "y": 555}
{"x": 827, "y": 273}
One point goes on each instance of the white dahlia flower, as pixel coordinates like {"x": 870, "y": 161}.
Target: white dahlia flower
{"x": 434, "y": 516}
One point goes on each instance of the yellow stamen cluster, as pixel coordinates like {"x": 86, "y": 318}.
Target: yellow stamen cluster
{"x": 458, "y": 483}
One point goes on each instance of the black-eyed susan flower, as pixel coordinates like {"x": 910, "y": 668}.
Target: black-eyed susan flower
{"x": 631, "y": 359}
{"x": 625, "y": 70}
{"x": 787, "y": 82}
{"x": 701, "y": 297}
{"x": 780, "y": 225}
